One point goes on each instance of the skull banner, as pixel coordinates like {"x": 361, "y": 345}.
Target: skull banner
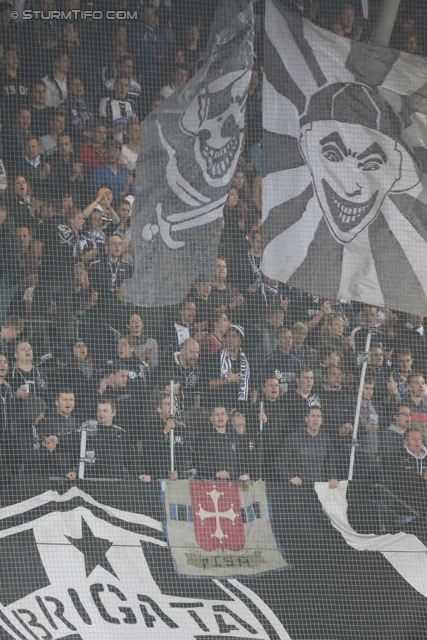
{"x": 188, "y": 154}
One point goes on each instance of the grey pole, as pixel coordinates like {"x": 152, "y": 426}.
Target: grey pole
{"x": 385, "y": 22}
{"x": 82, "y": 453}
{"x": 172, "y": 431}
{"x": 359, "y": 404}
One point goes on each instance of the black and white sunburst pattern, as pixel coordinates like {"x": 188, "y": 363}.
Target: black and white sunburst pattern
{"x": 384, "y": 263}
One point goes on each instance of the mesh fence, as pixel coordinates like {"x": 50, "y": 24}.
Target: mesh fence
{"x": 212, "y": 293}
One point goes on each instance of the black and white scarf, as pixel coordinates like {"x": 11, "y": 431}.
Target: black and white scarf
{"x": 226, "y": 367}
{"x": 256, "y": 270}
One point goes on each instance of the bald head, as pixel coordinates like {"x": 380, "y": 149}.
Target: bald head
{"x": 189, "y": 353}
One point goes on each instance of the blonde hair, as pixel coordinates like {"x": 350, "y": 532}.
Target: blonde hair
{"x": 325, "y": 329}
{"x": 299, "y": 325}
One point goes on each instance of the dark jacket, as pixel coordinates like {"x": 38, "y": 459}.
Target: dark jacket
{"x": 281, "y": 366}
{"x": 217, "y": 452}
{"x": 308, "y": 457}
{"x": 10, "y": 254}
{"x": 156, "y": 461}
{"x": 295, "y": 409}
{"x": 43, "y": 462}
{"x": 108, "y": 454}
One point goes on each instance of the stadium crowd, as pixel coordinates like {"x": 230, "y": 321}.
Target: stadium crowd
{"x": 265, "y": 376}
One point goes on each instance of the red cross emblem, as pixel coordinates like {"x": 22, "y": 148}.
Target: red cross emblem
{"x": 216, "y": 515}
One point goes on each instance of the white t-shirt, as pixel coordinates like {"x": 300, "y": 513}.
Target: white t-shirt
{"x": 128, "y": 157}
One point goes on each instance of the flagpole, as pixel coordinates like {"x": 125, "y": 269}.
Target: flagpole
{"x": 172, "y": 430}
{"x": 261, "y": 443}
{"x": 354, "y": 442}
{"x": 385, "y": 22}
{"x": 82, "y": 453}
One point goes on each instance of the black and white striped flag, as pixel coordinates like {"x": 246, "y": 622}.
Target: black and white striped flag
{"x": 345, "y": 166}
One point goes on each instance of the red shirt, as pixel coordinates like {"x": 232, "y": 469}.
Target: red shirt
{"x": 89, "y": 157}
{"x": 212, "y": 344}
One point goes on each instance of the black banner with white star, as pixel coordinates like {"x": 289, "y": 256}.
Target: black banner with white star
{"x": 95, "y": 562}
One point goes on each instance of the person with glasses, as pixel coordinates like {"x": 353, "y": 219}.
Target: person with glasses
{"x": 391, "y": 440}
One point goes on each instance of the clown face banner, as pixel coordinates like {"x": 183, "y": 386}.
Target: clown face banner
{"x": 344, "y": 198}
{"x": 188, "y": 154}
